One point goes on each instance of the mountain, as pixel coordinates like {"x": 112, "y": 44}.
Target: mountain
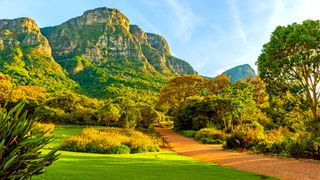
{"x": 94, "y": 54}
{"x": 25, "y": 55}
{"x": 101, "y": 49}
{"x": 240, "y": 72}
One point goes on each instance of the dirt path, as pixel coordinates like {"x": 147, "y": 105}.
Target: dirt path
{"x": 280, "y": 168}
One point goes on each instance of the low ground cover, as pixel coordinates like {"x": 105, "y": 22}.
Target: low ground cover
{"x": 109, "y": 140}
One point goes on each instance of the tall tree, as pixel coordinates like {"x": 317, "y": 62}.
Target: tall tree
{"x": 291, "y": 61}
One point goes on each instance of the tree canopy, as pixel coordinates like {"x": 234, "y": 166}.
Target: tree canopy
{"x": 291, "y": 62}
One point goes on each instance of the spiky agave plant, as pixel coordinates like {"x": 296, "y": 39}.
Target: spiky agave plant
{"x": 20, "y": 146}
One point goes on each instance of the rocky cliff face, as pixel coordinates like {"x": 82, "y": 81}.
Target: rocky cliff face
{"x": 159, "y": 43}
{"x": 105, "y": 35}
{"x": 156, "y": 49}
{"x": 26, "y": 55}
{"x": 100, "y": 34}
{"x": 23, "y": 32}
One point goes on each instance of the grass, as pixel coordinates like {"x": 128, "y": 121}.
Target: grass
{"x": 163, "y": 165}
{"x": 62, "y": 131}
{"x": 158, "y": 165}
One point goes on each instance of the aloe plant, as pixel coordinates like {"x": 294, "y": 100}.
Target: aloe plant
{"x": 20, "y": 146}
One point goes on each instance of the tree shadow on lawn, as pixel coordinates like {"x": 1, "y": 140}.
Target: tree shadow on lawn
{"x": 163, "y": 165}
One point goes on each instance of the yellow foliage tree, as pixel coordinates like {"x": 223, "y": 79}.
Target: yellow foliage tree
{"x": 5, "y": 86}
{"x": 182, "y": 87}
{"x": 28, "y": 93}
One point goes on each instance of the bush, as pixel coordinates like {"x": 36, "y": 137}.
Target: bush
{"x": 297, "y": 149}
{"x": 166, "y": 124}
{"x": 284, "y": 143}
{"x": 210, "y": 133}
{"x": 235, "y": 141}
{"x": 278, "y": 147}
{"x": 210, "y": 141}
{"x": 106, "y": 140}
{"x": 188, "y": 133}
{"x": 121, "y": 149}
{"x": 245, "y": 137}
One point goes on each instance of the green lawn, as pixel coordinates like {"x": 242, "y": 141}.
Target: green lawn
{"x": 62, "y": 131}
{"x": 160, "y": 165}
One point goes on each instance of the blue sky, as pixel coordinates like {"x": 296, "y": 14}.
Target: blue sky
{"x": 212, "y": 35}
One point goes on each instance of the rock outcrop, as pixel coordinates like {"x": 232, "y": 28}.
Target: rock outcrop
{"x": 26, "y": 55}
{"x": 104, "y": 34}
{"x": 23, "y": 32}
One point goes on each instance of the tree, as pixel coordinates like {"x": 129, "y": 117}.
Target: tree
{"x": 5, "y": 86}
{"x": 219, "y": 84}
{"x": 182, "y": 87}
{"x": 291, "y": 61}
{"x": 109, "y": 113}
{"x": 33, "y": 93}
{"x": 20, "y": 145}
{"x": 259, "y": 92}
{"x": 195, "y": 113}
{"x": 149, "y": 116}
{"x": 233, "y": 103}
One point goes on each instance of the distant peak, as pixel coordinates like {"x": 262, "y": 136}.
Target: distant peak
{"x": 240, "y": 72}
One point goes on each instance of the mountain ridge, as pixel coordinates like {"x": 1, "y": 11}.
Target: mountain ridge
{"x": 97, "y": 50}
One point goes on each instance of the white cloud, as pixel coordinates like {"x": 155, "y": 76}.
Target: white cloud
{"x": 287, "y": 12}
{"x": 237, "y": 20}
{"x": 253, "y": 27}
{"x": 185, "y": 20}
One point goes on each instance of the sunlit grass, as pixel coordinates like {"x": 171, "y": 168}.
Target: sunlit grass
{"x": 163, "y": 165}
{"x": 157, "y": 165}
{"x": 63, "y": 131}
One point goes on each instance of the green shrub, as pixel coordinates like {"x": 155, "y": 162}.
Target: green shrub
{"x": 188, "y": 133}
{"x": 210, "y": 141}
{"x": 286, "y": 144}
{"x": 262, "y": 147}
{"x": 166, "y": 124}
{"x": 235, "y": 141}
{"x": 121, "y": 149}
{"x": 245, "y": 137}
{"x": 210, "y": 133}
{"x": 110, "y": 141}
{"x": 278, "y": 147}
{"x": 297, "y": 149}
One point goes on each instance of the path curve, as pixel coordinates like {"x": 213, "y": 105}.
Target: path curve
{"x": 281, "y": 168}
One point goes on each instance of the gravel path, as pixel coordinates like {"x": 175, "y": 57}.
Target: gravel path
{"x": 270, "y": 166}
